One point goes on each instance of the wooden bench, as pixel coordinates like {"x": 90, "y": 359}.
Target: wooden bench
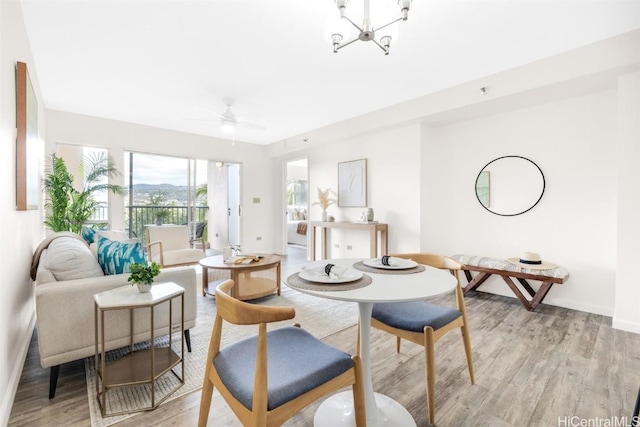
{"x": 485, "y": 267}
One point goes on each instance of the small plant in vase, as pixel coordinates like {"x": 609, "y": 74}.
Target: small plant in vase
{"x": 162, "y": 215}
{"x": 143, "y": 275}
{"x": 325, "y": 200}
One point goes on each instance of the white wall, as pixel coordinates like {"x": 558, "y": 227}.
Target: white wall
{"x": 393, "y": 167}
{"x": 20, "y": 231}
{"x": 569, "y": 113}
{"x": 257, "y": 170}
{"x": 574, "y": 224}
{"x": 627, "y": 314}
{"x": 421, "y": 182}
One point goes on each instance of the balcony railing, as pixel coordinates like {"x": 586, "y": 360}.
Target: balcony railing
{"x": 100, "y": 215}
{"x": 137, "y": 216}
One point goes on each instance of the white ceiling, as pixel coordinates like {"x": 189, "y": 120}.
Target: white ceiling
{"x": 168, "y": 63}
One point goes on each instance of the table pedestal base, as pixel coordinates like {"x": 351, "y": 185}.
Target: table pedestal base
{"x": 338, "y": 411}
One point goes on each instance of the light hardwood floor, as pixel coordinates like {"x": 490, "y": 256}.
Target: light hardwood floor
{"x": 532, "y": 369}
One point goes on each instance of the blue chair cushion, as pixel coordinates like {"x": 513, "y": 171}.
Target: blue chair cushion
{"x": 414, "y": 315}
{"x": 296, "y": 363}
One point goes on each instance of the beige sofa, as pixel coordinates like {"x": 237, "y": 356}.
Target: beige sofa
{"x": 65, "y": 305}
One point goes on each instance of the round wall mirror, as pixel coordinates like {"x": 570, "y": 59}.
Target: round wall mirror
{"x": 510, "y": 185}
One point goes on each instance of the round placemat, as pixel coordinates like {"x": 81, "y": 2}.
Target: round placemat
{"x": 360, "y": 266}
{"x": 295, "y": 281}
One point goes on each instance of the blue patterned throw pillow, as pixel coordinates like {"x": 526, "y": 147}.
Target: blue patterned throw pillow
{"x": 88, "y": 234}
{"x": 115, "y": 257}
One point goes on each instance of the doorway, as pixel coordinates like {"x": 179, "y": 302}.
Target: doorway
{"x": 297, "y": 206}
{"x": 225, "y": 201}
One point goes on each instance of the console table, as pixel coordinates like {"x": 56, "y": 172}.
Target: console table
{"x": 372, "y": 227}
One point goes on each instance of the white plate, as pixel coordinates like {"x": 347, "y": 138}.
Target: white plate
{"x": 398, "y": 263}
{"x": 317, "y": 275}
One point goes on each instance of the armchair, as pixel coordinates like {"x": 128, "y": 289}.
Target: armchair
{"x": 171, "y": 245}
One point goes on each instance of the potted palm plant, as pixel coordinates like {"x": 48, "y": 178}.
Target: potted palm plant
{"x": 68, "y": 208}
{"x": 143, "y": 275}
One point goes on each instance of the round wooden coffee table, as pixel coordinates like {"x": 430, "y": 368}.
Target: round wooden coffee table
{"x": 247, "y": 286}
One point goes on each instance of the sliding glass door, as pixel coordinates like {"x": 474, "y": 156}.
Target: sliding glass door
{"x": 165, "y": 190}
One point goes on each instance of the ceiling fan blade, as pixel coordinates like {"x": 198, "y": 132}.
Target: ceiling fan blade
{"x": 198, "y": 120}
{"x": 251, "y": 125}
{"x": 228, "y": 118}
{"x": 219, "y": 115}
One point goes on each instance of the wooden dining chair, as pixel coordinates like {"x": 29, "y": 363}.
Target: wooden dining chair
{"x": 424, "y": 323}
{"x": 268, "y": 378}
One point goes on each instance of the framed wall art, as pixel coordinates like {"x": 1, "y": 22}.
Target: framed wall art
{"x": 27, "y": 142}
{"x": 352, "y": 183}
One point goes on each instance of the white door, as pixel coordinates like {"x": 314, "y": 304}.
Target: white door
{"x": 233, "y": 200}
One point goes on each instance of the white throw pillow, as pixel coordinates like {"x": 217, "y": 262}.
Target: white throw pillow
{"x": 117, "y": 235}
{"x": 69, "y": 258}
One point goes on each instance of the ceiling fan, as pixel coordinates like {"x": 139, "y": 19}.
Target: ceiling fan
{"x": 229, "y": 121}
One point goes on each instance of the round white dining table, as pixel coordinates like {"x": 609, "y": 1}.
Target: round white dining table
{"x": 386, "y": 286}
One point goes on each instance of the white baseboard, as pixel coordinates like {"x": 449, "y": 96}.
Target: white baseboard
{"x": 16, "y": 372}
{"x": 498, "y": 289}
{"x": 624, "y": 325}
{"x": 589, "y": 308}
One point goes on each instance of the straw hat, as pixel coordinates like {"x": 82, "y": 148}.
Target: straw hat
{"x": 532, "y": 261}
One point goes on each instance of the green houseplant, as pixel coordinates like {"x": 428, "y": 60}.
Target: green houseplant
{"x": 158, "y": 201}
{"x": 68, "y": 208}
{"x": 143, "y": 275}
{"x": 162, "y": 215}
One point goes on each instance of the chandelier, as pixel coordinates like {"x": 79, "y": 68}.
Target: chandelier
{"x": 367, "y": 32}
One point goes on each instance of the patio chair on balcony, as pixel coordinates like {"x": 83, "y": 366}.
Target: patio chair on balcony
{"x": 172, "y": 246}
{"x": 198, "y": 231}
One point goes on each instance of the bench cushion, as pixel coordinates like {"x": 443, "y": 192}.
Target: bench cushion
{"x": 503, "y": 264}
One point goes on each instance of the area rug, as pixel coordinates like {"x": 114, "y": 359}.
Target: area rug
{"x": 319, "y": 316}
